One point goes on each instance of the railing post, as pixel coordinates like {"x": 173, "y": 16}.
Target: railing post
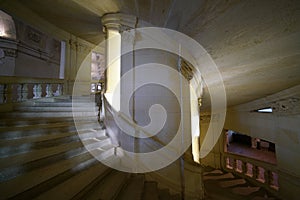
{"x": 269, "y": 177}
{"x": 19, "y": 92}
{"x": 244, "y": 167}
{"x": 255, "y": 172}
{"x": 49, "y": 92}
{"x": 24, "y": 93}
{"x": 37, "y": 91}
{"x": 8, "y": 93}
{"x": 235, "y": 164}
{"x": 58, "y": 91}
{"x": 2, "y": 93}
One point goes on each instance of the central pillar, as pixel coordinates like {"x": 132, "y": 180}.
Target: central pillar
{"x": 112, "y": 26}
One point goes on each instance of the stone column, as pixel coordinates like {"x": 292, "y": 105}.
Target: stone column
{"x": 113, "y": 24}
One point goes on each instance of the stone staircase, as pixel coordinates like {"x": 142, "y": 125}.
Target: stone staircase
{"x": 220, "y": 185}
{"x": 42, "y": 156}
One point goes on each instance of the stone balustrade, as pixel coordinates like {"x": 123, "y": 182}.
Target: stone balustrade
{"x": 256, "y": 171}
{"x": 97, "y": 87}
{"x": 16, "y": 89}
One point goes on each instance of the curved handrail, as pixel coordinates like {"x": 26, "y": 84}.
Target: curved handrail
{"x": 261, "y": 163}
{"x": 121, "y": 115}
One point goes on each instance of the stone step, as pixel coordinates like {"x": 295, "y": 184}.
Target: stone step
{"x": 12, "y": 171}
{"x": 133, "y": 189}
{"x": 176, "y": 197}
{"x": 31, "y": 156}
{"x": 107, "y": 188}
{"x": 56, "y": 109}
{"x": 31, "y": 179}
{"x": 263, "y": 198}
{"x": 231, "y": 183}
{"x": 245, "y": 191}
{"x": 150, "y": 191}
{"x": 49, "y": 114}
{"x": 38, "y": 120}
{"x": 64, "y": 98}
{"x": 56, "y": 104}
{"x": 214, "y": 172}
{"x": 40, "y": 129}
{"x": 222, "y": 185}
{"x": 164, "y": 194}
{"x": 97, "y": 143}
{"x": 13, "y": 147}
{"x": 88, "y": 133}
{"x": 72, "y": 186}
{"x": 50, "y": 183}
{"x": 219, "y": 177}
{"x": 9, "y": 151}
{"x": 105, "y": 152}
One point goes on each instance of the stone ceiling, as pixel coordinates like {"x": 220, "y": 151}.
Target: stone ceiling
{"x": 254, "y": 43}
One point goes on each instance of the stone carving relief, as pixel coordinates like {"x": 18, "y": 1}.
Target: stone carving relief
{"x": 187, "y": 69}
{"x": 286, "y": 106}
{"x": 10, "y": 53}
{"x": 34, "y": 36}
{"x": 205, "y": 118}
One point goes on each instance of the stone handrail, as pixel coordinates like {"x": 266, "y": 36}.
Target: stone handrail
{"x": 258, "y": 172}
{"x": 193, "y": 183}
{"x": 16, "y": 89}
{"x": 133, "y": 127}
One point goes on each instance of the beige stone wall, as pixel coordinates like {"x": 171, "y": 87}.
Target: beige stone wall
{"x": 77, "y": 50}
{"x": 280, "y": 127}
{"x": 281, "y": 130}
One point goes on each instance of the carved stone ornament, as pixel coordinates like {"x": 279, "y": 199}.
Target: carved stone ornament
{"x": 34, "y": 35}
{"x": 205, "y": 118}
{"x": 10, "y": 53}
{"x": 286, "y": 106}
{"x": 187, "y": 69}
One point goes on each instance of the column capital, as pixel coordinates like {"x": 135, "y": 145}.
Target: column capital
{"x": 118, "y": 21}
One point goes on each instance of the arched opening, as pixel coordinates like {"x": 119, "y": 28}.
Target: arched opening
{"x": 7, "y": 26}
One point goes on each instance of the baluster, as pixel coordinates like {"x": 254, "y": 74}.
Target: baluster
{"x": 37, "y": 91}
{"x": 226, "y": 160}
{"x": 2, "y": 92}
{"x": 19, "y": 92}
{"x": 262, "y": 176}
{"x": 255, "y": 172}
{"x": 99, "y": 87}
{"x": 234, "y": 164}
{"x": 248, "y": 171}
{"x": 49, "y": 92}
{"x": 269, "y": 179}
{"x": 244, "y": 167}
{"x": 275, "y": 183}
{"x": 8, "y": 93}
{"x": 58, "y": 91}
{"x": 24, "y": 93}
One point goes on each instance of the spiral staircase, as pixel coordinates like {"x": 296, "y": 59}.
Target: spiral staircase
{"x": 42, "y": 157}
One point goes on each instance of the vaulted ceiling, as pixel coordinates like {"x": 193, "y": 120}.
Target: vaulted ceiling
{"x": 255, "y": 43}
